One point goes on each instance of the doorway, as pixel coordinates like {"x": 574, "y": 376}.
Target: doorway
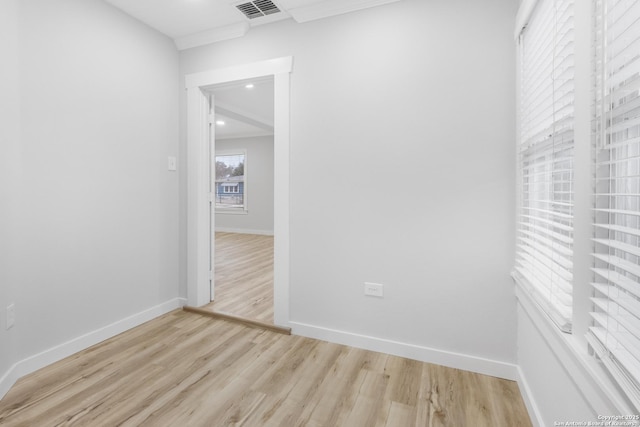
{"x": 242, "y": 165}
{"x": 200, "y": 251}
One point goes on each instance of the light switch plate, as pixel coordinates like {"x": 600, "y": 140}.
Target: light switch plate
{"x": 172, "y": 163}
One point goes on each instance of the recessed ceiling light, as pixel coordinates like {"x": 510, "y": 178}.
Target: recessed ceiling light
{"x": 220, "y": 122}
{"x": 249, "y": 86}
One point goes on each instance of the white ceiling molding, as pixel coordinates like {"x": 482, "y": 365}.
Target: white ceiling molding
{"x": 227, "y": 32}
{"x": 211, "y": 36}
{"x": 244, "y": 117}
{"x": 221, "y": 135}
{"x": 236, "y": 129}
{"x": 329, "y": 8}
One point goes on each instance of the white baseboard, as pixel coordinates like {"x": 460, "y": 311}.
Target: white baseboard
{"x": 244, "y": 231}
{"x": 530, "y": 403}
{"x": 479, "y": 365}
{"x": 8, "y": 380}
{"x": 59, "y": 352}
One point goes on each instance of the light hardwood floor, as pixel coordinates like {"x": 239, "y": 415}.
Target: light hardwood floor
{"x": 244, "y": 276}
{"x": 183, "y": 369}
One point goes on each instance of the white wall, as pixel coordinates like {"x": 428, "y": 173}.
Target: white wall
{"x": 259, "y": 184}
{"x": 9, "y": 169}
{"x": 559, "y": 379}
{"x": 98, "y": 208}
{"x": 401, "y": 170}
{"x": 547, "y": 385}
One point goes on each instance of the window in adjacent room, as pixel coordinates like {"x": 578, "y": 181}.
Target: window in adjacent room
{"x": 230, "y": 183}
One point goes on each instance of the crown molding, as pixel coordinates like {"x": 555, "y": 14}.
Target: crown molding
{"x": 331, "y": 8}
{"x": 244, "y": 117}
{"x": 211, "y": 36}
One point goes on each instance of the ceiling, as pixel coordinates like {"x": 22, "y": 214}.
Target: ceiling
{"x": 192, "y": 23}
{"x": 245, "y": 112}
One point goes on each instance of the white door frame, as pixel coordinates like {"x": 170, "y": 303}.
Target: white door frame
{"x": 199, "y": 227}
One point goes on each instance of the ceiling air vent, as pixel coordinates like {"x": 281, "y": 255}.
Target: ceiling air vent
{"x": 258, "y": 8}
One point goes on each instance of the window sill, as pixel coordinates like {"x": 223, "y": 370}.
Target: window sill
{"x": 232, "y": 212}
{"x": 599, "y": 390}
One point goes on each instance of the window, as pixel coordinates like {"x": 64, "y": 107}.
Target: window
{"x": 230, "y": 183}
{"x": 230, "y": 188}
{"x": 544, "y": 254}
{"x": 615, "y": 334}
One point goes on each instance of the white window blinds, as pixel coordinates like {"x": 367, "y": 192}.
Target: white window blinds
{"x": 544, "y": 263}
{"x": 615, "y": 334}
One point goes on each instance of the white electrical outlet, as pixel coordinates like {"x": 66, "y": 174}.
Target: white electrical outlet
{"x": 373, "y": 289}
{"x": 11, "y": 315}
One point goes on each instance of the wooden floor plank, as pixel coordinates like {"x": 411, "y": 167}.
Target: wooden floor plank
{"x": 183, "y": 369}
{"x": 243, "y": 276}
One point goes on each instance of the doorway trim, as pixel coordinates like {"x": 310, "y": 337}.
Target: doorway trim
{"x": 199, "y": 224}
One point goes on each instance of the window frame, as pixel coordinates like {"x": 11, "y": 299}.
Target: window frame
{"x": 571, "y": 350}
{"x": 241, "y": 210}
{"x": 535, "y": 259}
{"x": 616, "y": 253}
